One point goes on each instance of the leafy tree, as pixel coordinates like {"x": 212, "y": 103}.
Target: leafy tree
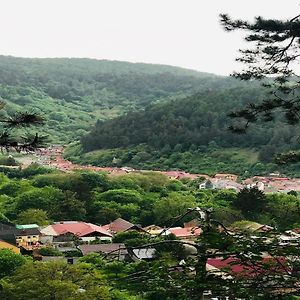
{"x": 227, "y": 215}
{"x": 33, "y": 216}
{"x": 4, "y": 219}
{"x": 8, "y": 138}
{"x": 54, "y": 280}
{"x": 121, "y": 196}
{"x": 106, "y": 215}
{"x": 275, "y": 53}
{"x": 250, "y": 201}
{"x": 10, "y": 261}
{"x": 168, "y": 208}
{"x": 39, "y": 198}
{"x": 257, "y": 268}
{"x": 114, "y": 269}
{"x": 293, "y": 193}
{"x": 175, "y": 185}
{"x": 131, "y": 238}
{"x": 49, "y": 251}
{"x": 69, "y": 208}
{"x": 14, "y": 187}
{"x": 284, "y": 209}
{"x": 95, "y": 259}
{"x": 32, "y": 170}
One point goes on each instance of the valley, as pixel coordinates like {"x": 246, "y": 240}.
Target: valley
{"x": 149, "y": 150}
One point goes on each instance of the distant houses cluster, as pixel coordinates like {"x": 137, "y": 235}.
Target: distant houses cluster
{"x": 71, "y": 239}
{"x": 268, "y": 184}
{"x": 52, "y": 157}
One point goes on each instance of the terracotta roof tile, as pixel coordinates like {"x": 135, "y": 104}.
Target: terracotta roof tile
{"x": 118, "y": 225}
{"x": 185, "y": 232}
{"x": 78, "y": 228}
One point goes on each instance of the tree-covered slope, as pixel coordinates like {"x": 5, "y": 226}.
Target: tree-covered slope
{"x": 189, "y": 134}
{"x": 199, "y": 120}
{"x": 74, "y": 93}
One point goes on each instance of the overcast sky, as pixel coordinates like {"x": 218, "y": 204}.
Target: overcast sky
{"x": 183, "y": 33}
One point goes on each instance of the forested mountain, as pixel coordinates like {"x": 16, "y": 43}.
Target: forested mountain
{"x": 199, "y": 120}
{"x": 146, "y": 113}
{"x": 74, "y": 93}
{"x": 193, "y": 127}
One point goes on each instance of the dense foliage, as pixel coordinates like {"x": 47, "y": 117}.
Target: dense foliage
{"x": 145, "y": 198}
{"x": 74, "y": 93}
{"x": 274, "y": 51}
{"x": 189, "y": 134}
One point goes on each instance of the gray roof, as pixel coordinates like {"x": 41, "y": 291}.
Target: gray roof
{"x": 30, "y": 231}
{"x": 66, "y": 249}
{"x": 103, "y": 248}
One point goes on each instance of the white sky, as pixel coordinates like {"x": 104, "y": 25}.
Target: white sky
{"x": 184, "y": 33}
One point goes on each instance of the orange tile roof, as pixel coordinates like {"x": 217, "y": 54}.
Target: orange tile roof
{"x": 185, "y": 232}
{"x": 78, "y": 228}
{"x": 118, "y": 225}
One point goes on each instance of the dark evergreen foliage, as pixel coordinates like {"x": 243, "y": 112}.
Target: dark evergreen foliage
{"x": 274, "y": 54}
{"x": 74, "y": 93}
{"x": 188, "y": 124}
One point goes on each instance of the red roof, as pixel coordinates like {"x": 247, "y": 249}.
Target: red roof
{"x": 78, "y": 228}
{"x": 296, "y": 230}
{"x": 185, "y": 232}
{"x": 235, "y": 267}
{"x": 118, "y": 225}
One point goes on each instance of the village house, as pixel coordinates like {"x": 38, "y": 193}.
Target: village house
{"x": 21, "y": 236}
{"x": 181, "y": 174}
{"x": 206, "y": 185}
{"x": 254, "y": 227}
{"x": 232, "y": 266}
{"x": 186, "y": 233}
{"x": 226, "y": 184}
{"x": 28, "y": 236}
{"x": 121, "y": 225}
{"x": 156, "y": 230}
{"x": 289, "y": 237}
{"x": 116, "y": 251}
{"x": 65, "y": 232}
{"x": 231, "y": 177}
{"x": 143, "y": 254}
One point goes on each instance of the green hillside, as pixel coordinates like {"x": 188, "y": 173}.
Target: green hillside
{"x": 189, "y": 134}
{"x": 74, "y": 93}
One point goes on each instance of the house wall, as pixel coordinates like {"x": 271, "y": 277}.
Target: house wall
{"x": 23, "y": 241}
{"x": 93, "y": 238}
{"x": 46, "y": 239}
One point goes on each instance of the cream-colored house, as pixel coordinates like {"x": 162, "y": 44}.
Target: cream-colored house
{"x": 28, "y": 236}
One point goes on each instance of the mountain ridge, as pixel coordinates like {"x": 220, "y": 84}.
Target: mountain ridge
{"x": 74, "y": 93}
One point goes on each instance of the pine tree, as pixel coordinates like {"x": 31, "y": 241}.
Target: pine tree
{"x": 15, "y": 134}
{"x": 272, "y": 59}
